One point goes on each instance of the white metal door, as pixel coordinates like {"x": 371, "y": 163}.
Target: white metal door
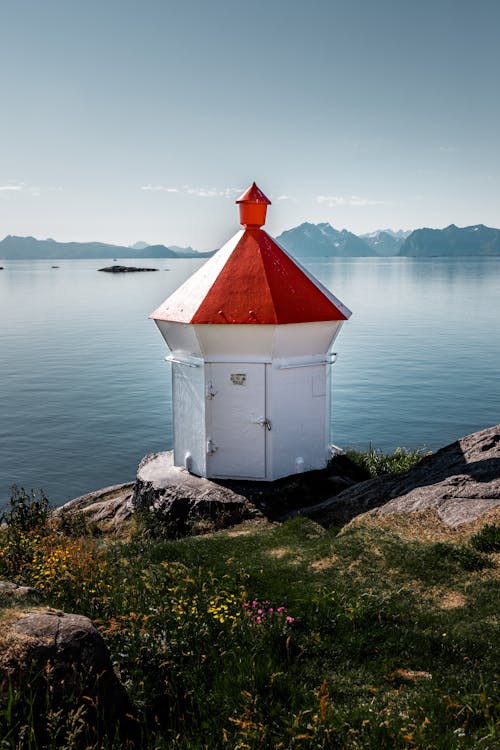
{"x": 237, "y": 425}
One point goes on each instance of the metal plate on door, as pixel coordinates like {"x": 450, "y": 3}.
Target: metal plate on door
{"x": 238, "y": 378}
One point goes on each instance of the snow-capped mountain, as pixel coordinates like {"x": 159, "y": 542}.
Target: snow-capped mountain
{"x": 384, "y": 241}
{"x": 309, "y": 240}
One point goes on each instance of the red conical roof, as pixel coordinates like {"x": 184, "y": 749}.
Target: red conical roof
{"x": 253, "y": 195}
{"x": 251, "y": 280}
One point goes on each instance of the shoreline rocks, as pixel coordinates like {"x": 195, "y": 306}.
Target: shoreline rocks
{"x": 175, "y": 502}
{"x": 169, "y": 497}
{"x": 109, "y": 509}
{"x": 460, "y": 482}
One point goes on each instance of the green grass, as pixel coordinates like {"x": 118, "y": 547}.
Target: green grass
{"x": 376, "y": 462}
{"x": 369, "y": 656}
{"x": 488, "y": 539}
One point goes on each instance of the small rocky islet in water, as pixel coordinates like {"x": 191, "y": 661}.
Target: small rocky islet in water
{"x": 125, "y": 269}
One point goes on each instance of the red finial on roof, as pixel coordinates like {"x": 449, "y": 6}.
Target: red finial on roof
{"x": 253, "y": 206}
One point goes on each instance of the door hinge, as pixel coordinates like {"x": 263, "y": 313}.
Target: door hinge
{"x": 211, "y": 447}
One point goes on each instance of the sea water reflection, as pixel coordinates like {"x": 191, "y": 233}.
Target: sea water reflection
{"x": 85, "y": 391}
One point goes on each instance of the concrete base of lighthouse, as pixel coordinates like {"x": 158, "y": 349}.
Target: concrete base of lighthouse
{"x": 178, "y": 503}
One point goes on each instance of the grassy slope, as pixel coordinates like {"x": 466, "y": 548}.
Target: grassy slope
{"x": 393, "y": 642}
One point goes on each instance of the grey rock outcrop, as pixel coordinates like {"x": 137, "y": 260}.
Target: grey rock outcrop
{"x": 109, "y": 509}
{"x": 460, "y": 482}
{"x": 178, "y": 501}
{"x": 14, "y": 592}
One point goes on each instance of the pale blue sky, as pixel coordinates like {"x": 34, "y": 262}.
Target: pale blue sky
{"x": 125, "y": 120}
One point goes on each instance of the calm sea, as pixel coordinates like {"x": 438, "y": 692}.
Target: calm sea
{"x": 85, "y": 390}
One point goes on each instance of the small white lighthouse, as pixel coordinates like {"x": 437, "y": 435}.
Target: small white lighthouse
{"x": 250, "y": 335}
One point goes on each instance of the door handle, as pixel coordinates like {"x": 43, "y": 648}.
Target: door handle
{"x": 263, "y": 422}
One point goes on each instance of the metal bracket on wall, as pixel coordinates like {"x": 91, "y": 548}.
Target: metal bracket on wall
{"x": 293, "y": 366}
{"x": 181, "y": 361}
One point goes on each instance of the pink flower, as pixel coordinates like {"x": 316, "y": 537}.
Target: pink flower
{"x": 259, "y": 620}
{"x": 271, "y": 610}
{"x": 280, "y": 609}
{"x": 254, "y": 603}
{"x": 259, "y": 611}
{"x": 289, "y": 619}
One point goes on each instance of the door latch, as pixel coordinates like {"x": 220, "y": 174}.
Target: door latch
{"x": 210, "y": 392}
{"x": 264, "y": 422}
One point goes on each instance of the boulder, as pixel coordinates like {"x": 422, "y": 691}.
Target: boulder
{"x": 460, "y": 482}
{"x": 178, "y": 502}
{"x": 14, "y": 592}
{"x": 109, "y": 509}
{"x": 66, "y": 652}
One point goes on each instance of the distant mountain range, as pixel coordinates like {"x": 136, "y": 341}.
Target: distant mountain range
{"x": 309, "y": 240}
{"x": 305, "y": 241}
{"x": 452, "y": 241}
{"x": 21, "y": 248}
